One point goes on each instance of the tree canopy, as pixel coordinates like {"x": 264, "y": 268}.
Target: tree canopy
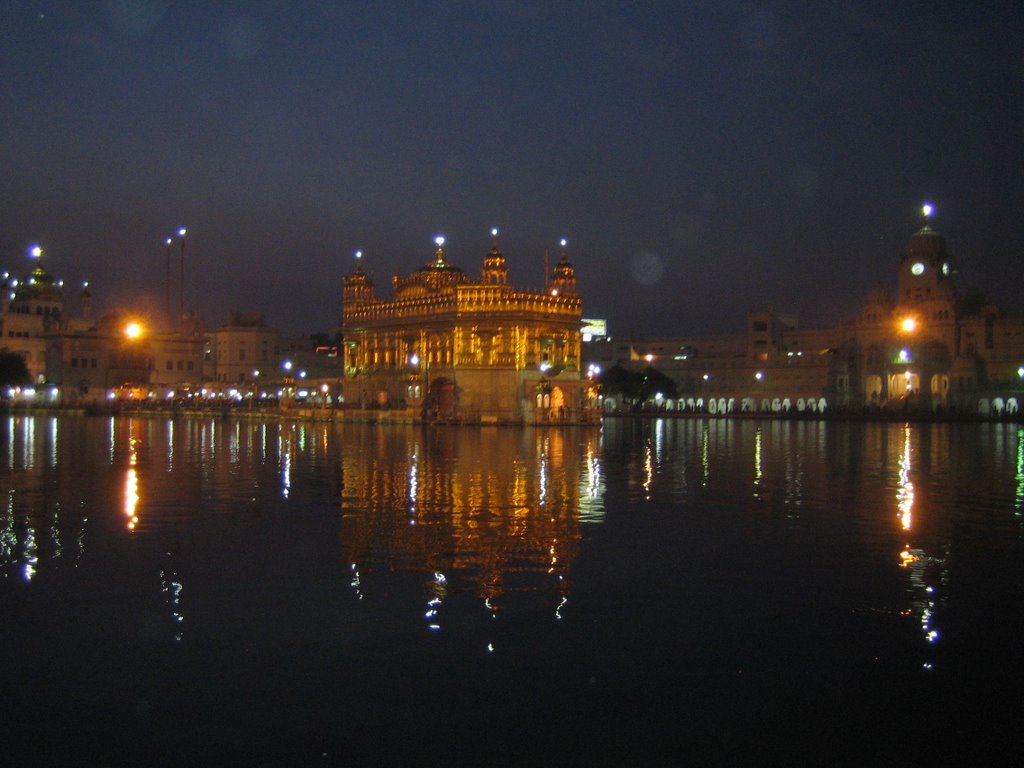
{"x": 13, "y": 371}
{"x": 637, "y": 387}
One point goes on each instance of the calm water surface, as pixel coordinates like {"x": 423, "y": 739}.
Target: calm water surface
{"x": 692, "y": 592}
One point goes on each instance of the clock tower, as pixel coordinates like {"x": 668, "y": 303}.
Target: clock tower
{"x": 925, "y": 282}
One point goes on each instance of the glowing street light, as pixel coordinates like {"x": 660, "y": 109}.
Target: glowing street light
{"x": 181, "y": 299}
{"x": 908, "y": 325}
{"x": 35, "y": 251}
{"x": 927, "y": 209}
{"x": 133, "y": 330}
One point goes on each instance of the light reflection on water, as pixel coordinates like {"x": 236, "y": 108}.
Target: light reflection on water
{"x": 663, "y": 551}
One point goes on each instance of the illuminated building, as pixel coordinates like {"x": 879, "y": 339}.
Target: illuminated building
{"x": 928, "y": 349}
{"x": 242, "y": 349}
{"x": 33, "y": 308}
{"x": 447, "y": 347}
{"x": 87, "y": 359}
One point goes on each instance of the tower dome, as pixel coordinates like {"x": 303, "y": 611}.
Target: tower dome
{"x": 563, "y": 279}
{"x": 495, "y": 271}
{"x": 358, "y": 286}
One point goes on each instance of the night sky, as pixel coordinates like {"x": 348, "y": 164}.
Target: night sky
{"x": 702, "y": 158}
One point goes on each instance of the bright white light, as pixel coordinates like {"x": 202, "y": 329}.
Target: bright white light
{"x": 359, "y": 255}
{"x": 169, "y": 240}
{"x": 182, "y": 232}
{"x": 759, "y": 375}
{"x": 545, "y": 366}
{"x": 563, "y": 242}
{"x": 287, "y": 365}
{"x": 302, "y": 374}
{"x": 494, "y": 232}
{"x": 414, "y": 359}
{"x": 707, "y": 376}
{"x": 927, "y": 209}
{"x": 35, "y": 251}
{"x": 439, "y": 240}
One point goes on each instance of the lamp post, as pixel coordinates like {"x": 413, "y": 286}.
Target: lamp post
{"x": 167, "y": 283}
{"x": 181, "y": 298}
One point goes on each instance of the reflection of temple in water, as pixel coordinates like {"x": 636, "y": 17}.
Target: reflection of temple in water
{"x": 491, "y": 511}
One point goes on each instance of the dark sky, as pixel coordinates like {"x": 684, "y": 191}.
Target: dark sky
{"x": 702, "y": 158}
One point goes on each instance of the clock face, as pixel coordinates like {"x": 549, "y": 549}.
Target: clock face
{"x": 917, "y": 268}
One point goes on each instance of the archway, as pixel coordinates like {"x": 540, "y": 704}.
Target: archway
{"x": 873, "y": 388}
{"x": 440, "y": 400}
{"x": 558, "y": 409}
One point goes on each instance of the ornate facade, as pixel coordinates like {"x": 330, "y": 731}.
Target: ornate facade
{"x": 448, "y": 347}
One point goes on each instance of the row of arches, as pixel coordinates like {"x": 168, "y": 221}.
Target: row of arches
{"x": 723, "y": 406}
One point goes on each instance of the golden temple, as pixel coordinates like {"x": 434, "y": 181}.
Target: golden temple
{"x": 446, "y": 347}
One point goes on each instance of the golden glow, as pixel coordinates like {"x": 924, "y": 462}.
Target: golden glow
{"x": 133, "y": 330}
{"x": 908, "y": 325}
{"x": 905, "y": 491}
{"x": 131, "y": 487}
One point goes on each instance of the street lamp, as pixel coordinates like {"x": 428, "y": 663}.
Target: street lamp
{"x": 181, "y": 299}
{"x": 167, "y": 280}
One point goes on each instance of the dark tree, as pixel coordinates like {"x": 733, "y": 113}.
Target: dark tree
{"x": 654, "y": 381}
{"x": 637, "y": 387}
{"x": 13, "y": 371}
{"x": 619, "y": 382}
